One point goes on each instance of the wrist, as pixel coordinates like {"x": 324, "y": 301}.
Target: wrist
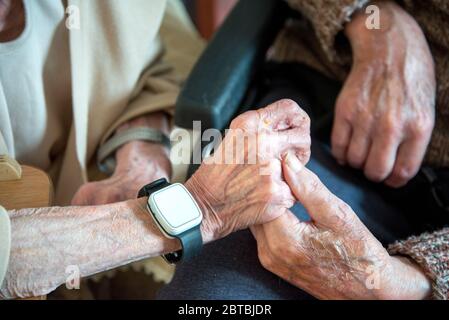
{"x": 405, "y": 280}
{"x": 211, "y": 226}
{"x": 365, "y": 41}
{"x": 357, "y": 26}
{"x": 143, "y": 157}
{"x": 148, "y": 245}
{"x": 141, "y": 154}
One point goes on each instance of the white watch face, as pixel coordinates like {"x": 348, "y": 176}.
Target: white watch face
{"x": 175, "y": 209}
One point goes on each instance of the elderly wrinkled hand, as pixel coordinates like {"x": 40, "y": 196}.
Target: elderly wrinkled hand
{"x": 241, "y": 184}
{"x": 138, "y": 162}
{"x": 384, "y": 116}
{"x": 334, "y": 256}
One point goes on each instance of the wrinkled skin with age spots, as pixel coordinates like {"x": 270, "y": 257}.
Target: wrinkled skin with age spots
{"x": 384, "y": 115}
{"x": 138, "y": 163}
{"x": 235, "y": 196}
{"x": 334, "y": 256}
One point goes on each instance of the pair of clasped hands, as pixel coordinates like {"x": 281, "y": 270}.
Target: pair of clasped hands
{"x": 382, "y": 127}
{"x": 332, "y": 256}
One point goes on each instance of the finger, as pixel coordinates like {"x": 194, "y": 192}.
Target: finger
{"x": 410, "y": 156}
{"x": 284, "y": 224}
{"x": 80, "y": 200}
{"x": 341, "y": 135}
{"x": 343, "y": 129}
{"x": 281, "y": 115}
{"x": 324, "y": 208}
{"x": 358, "y": 148}
{"x": 277, "y": 201}
{"x": 296, "y": 139}
{"x": 287, "y": 226}
{"x": 276, "y": 144}
{"x": 381, "y": 157}
{"x": 274, "y": 191}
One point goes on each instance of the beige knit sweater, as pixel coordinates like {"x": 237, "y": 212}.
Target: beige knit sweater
{"x": 320, "y": 50}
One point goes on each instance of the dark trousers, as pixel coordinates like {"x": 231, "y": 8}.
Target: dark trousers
{"x": 229, "y": 268}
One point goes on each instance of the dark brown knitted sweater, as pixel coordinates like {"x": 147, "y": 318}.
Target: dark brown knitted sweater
{"x": 321, "y": 51}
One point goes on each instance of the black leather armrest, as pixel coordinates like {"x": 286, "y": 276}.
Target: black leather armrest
{"x": 218, "y": 82}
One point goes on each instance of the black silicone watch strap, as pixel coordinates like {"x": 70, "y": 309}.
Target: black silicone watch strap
{"x": 191, "y": 240}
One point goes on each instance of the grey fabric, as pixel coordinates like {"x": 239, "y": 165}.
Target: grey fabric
{"x": 5, "y": 242}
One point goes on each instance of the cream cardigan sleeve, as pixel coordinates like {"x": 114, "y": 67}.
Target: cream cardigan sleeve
{"x": 160, "y": 84}
{"x": 5, "y": 242}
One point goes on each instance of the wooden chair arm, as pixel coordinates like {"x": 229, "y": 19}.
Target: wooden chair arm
{"x": 33, "y": 190}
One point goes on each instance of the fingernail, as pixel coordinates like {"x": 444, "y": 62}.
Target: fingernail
{"x": 293, "y": 162}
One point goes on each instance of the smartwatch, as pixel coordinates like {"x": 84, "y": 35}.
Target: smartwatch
{"x": 177, "y": 215}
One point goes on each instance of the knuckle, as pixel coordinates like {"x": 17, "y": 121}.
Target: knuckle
{"x": 376, "y": 175}
{"x": 363, "y": 120}
{"x": 390, "y": 129}
{"x": 244, "y": 120}
{"x": 344, "y": 207}
{"x": 305, "y": 119}
{"x": 303, "y": 151}
{"x": 344, "y": 114}
{"x": 299, "y": 116}
{"x": 314, "y": 186}
{"x": 304, "y": 123}
{"x": 390, "y": 123}
{"x": 346, "y": 107}
{"x": 288, "y": 104}
{"x": 238, "y": 122}
{"x": 338, "y": 142}
{"x": 344, "y": 215}
{"x": 356, "y": 159}
{"x": 305, "y": 155}
{"x": 421, "y": 127}
{"x": 403, "y": 172}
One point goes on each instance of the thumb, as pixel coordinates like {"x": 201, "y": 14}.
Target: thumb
{"x": 322, "y": 205}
